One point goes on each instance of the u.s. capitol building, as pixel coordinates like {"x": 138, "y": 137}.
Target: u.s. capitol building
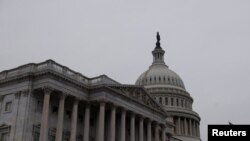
{"x": 50, "y": 102}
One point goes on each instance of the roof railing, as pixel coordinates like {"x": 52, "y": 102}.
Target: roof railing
{"x": 53, "y": 66}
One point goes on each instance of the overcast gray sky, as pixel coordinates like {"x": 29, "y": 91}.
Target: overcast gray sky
{"x": 207, "y": 42}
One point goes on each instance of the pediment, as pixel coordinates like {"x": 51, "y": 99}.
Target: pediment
{"x": 139, "y": 94}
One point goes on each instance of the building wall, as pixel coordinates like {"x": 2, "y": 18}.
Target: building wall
{"x": 23, "y": 90}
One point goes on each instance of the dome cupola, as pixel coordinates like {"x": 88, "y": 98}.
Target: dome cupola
{"x": 158, "y": 52}
{"x": 159, "y": 73}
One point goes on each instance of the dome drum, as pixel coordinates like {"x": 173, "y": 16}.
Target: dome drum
{"x": 166, "y": 89}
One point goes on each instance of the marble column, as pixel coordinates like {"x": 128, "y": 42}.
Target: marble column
{"x": 198, "y": 129}
{"x": 112, "y": 123}
{"x": 123, "y": 125}
{"x": 74, "y": 121}
{"x": 186, "y": 126}
{"x": 132, "y": 127}
{"x": 101, "y": 123}
{"x": 195, "y": 129}
{"x": 157, "y": 138}
{"x": 197, "y": 134}
{"x": 141, "y": 129}
{"x": 149, "y": 134}
{"x": 45, "y": 114}
{"x": 179, "y": 125}
{"x": 163, "y": 133}
{"x": 86, "y": 123}
{"x": 60, "y": 118}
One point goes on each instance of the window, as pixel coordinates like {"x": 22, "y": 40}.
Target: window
{"x": 68, "y": 114}
{"x": 79, "y": 138}
{"x": 54, "y": 109}
{"x": 35, "y": 136}
{"x": 66, "y": 135}
{"x": 4, "y": 136}
{"x": 177, "y": 102}
{"x": 172, "y": 101}
{"x": 160, "y": 100}
{"x": 35, "y": 132}
{"x": 166, "y": 101}
{"x": 39, "y": 106}
{"x": 52, "y": 138}
{"x": 92, "y": 122}
{"x": 4, "y": 132}
{"x": 80, "y": 118}
{"x": 182, "y": 103}
{"x": 8, "y": 106}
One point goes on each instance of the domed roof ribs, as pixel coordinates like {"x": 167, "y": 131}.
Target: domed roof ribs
{"x": 158, "y": 52}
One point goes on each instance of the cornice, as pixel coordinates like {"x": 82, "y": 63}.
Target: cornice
{"x": 138, "y": 94}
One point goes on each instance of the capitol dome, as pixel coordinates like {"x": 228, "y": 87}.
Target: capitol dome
{"x": 159, "y": 73}
{"x": 169, "y": 91}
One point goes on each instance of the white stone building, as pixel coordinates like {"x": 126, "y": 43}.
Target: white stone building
{"x": 50, "y": 102}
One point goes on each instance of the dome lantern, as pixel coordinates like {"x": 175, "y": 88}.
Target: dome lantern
{"x": 158, "y": 52}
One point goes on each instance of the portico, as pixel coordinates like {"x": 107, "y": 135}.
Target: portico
{"x": 132, "y": 119}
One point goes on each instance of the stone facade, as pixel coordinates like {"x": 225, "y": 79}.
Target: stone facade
{"x": 50, "y": 102}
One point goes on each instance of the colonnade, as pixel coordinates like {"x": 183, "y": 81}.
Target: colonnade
{"x": 186, "y": 126}
{"x": 159, "y": 129}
